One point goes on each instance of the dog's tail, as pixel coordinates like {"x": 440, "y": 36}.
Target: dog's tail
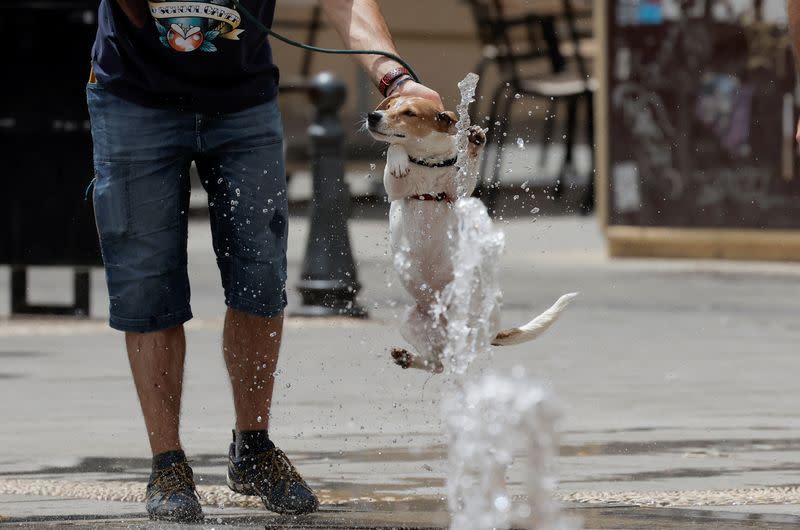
{"x": 535, "y": 327}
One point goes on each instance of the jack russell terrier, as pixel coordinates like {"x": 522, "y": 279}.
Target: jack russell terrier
{"x": 420, "y": 180}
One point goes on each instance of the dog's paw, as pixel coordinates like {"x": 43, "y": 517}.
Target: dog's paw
{"x": 402, "y": 358}
{"x": 397, "y": 162}
{"x": 405, "y": 359}
{"x": 477, "y": 135}
{"x": 398, "y": 168}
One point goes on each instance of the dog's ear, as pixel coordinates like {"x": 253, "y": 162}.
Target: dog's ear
{"x": 446, "y": 121}
{"x": 386, "y": 102}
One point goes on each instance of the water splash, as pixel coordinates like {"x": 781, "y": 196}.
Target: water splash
{"x": 470, "y": 303}
{"x": 493, "y": 419}
{"x": 489, "y": 419}
{"x": 467, "y": 87}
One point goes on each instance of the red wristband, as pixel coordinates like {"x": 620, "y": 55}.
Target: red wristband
{"x": 396, "y": 84}
{"x": 390, "y": 77}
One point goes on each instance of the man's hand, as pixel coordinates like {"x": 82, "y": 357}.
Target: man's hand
{"x": 412, "y": 88}
{"x": 362, "y": 27}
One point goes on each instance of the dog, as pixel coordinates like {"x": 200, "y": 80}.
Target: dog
{"x": 421, "y": 183}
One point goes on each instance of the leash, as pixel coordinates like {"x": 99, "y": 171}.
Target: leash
{"x": 333, "y": 51}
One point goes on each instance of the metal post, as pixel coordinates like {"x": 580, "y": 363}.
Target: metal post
{"x": 329, "y": 283}
{"x": 19, "y": 290}
{"x": 19, "y": 295}
{"x": 81, "y": 288}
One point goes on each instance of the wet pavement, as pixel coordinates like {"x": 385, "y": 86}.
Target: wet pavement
{"x": 392, "y": 518}
{"x": 678, "y": 383}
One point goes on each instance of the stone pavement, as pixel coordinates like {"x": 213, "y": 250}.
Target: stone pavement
{"x": 677, "y": 381}
{"x": 388, "y": 517}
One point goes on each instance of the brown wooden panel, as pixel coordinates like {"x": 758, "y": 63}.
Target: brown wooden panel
{"x": 700, "y": 114}
{"x": 772, "y": 245}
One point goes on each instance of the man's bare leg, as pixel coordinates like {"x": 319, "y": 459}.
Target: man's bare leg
{"x": 251, "y": 346}
{"x": 157, "y": 364}
{"x": 255, "y": 466}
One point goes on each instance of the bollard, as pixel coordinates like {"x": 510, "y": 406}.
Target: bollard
{"x": 19, "y": 295}
{"x": 328, "y": 284}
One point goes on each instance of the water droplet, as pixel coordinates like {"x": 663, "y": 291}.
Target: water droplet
{"x": 238, "y": 192}
{"x": 372, "y": 167}
{"x": 502, "y": 503}
{"x": 535, "y": 210}
{"x": 520, "y": 143}
{"x": 517, "y": 96}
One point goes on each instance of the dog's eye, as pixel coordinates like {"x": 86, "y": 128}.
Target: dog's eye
{"x": 409, "y": 113}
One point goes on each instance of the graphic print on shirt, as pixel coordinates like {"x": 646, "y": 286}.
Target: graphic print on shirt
{"x": 195, "y": 24}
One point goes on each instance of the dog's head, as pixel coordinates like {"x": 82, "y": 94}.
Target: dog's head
{"x": 405, "y": 119}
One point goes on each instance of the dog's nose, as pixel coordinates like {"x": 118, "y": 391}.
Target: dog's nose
{"x": 373, "y": 118}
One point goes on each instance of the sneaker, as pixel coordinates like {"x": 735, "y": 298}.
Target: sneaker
{"x": 171, "y": 495}
{"x": 271, "y": 476}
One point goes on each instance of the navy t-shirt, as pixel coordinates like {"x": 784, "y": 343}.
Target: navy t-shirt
{"x": 198, "y": 55}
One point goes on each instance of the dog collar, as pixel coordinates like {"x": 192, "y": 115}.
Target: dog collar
{"x": 439, "y": 197}
{"x": 444, "y": 163}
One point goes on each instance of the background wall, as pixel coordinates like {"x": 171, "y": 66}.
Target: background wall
{"x": 436, "y": 38}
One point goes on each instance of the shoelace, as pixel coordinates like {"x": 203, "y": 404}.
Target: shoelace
{"x": 273, "y": 466}
{"x": 175, "y": 479}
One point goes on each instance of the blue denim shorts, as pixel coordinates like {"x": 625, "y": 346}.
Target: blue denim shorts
{"x": 142, "y": 158}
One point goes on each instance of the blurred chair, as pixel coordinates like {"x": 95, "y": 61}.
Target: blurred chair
{"x": 516, "y": 42}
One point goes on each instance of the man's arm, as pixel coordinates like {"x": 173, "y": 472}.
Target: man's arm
{"x": 361, "y": 25}
{"x": 793, "y": 7}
